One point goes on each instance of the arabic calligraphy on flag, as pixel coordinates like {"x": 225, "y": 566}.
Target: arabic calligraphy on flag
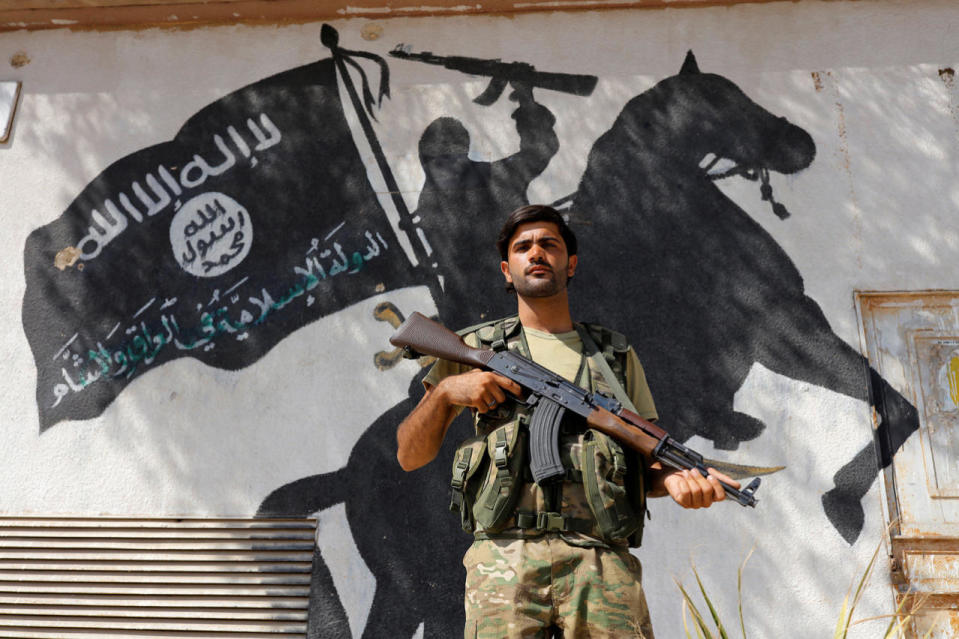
{"x": 256, "y": 219}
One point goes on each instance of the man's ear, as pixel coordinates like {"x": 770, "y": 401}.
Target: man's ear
{"x": 504, "y": 266}
{"x": 571, "y": 269}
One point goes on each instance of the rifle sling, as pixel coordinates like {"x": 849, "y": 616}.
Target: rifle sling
{"x": 598, "y": 361}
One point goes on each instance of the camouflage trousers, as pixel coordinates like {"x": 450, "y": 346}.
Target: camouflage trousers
{"x": 544, "y": 587}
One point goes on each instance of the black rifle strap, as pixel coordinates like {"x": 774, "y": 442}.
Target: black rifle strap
{"x": 553, "y": 495}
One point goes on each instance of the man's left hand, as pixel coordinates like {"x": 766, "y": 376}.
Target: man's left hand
{"x": 690, "y": 489}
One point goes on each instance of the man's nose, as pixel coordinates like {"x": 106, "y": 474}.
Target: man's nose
{"x": 537, "y": 253}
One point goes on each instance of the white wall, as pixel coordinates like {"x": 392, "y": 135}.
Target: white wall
{"x": 875, "y": 210}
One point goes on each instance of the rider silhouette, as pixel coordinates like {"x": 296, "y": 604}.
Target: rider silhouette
{"x": 461, "y": 197}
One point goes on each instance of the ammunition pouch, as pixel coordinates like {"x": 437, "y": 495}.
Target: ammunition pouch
{"x": 469, "y": 459}
{"x": 488, "y": 477}
{"x": 491, "y": 470}
{"x": 614, "y": 486}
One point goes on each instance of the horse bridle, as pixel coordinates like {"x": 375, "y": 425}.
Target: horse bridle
{"x": 752, "y": 174}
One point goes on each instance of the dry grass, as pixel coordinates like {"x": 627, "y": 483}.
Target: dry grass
{"x": 712, "y": 627}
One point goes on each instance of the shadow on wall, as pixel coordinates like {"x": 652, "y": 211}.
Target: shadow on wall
{"x": 707, "y": 291}
{"x": 257, "y": 219}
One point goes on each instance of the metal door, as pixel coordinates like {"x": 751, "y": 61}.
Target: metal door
{"x": 912, "y": 340}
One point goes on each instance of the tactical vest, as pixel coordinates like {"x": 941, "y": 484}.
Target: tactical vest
{"x": 491, "y": 470}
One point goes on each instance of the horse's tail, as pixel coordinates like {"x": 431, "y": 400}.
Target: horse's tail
{"x": 305, "y": 496}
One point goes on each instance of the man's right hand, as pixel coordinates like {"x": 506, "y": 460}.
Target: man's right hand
{"x": 482, "y": 390}
{"x": 421, "y": 434}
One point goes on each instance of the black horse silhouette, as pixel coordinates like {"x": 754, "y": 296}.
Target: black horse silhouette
{"x": 699, "y": 286}
{"x": 401, "y": 526}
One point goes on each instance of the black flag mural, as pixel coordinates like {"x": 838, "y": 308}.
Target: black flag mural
{"x": 256, "y": 219}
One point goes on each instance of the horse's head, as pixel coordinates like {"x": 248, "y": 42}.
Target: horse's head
{"x": 708, "y": 119}
{"x": 696, "y": 123}
{"x": 718, "y": 119}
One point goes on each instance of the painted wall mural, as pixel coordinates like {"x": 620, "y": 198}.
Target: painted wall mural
{"x": 258, "y": 219}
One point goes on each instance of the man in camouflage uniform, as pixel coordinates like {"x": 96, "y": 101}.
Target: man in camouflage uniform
{"x": 551, "y": 560}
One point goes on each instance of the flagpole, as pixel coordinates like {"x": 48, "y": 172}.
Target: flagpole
{"x": 330, "y": 38}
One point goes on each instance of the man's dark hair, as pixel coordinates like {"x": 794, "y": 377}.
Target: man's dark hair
{"x": 534, "y": 213}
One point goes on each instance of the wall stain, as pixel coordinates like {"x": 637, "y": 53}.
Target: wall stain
{"x": 371, "y": 31}
{"x": 948, "y": 77}
{"x": 844, "y": 156}
{"x": 817, "y": 81}
{"x": 385, "y": 360}
{"x": 19, "y": 59}
{"x": 66, "y": 258}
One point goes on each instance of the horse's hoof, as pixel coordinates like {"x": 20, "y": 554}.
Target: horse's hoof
{"x": 845, "y": 513}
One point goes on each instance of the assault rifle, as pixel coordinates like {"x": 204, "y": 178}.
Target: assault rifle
{"x": 550, "y": 396}
{"x": 503, "y": 73}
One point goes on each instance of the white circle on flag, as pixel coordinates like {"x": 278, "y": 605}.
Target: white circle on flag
{"x": 210, "y": 234}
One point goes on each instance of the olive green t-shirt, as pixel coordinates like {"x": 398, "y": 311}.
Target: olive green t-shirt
{"x": 563, "y": 351}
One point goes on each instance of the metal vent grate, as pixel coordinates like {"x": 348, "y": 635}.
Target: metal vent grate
{"x": 82, "y": 578}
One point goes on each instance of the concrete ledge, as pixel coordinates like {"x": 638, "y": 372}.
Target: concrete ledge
{"x": 135, "y": 14}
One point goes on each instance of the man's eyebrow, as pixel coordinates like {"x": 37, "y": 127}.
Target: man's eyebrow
{"x": 541, "y": 238}
{"x": 522, "y": 241}
{"x": 546, "y": 238}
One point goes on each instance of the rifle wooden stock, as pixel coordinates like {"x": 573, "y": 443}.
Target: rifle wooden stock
{"x": 421, "y": 335}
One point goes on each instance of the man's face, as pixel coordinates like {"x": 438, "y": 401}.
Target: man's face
{"x": 537, "y": 262}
